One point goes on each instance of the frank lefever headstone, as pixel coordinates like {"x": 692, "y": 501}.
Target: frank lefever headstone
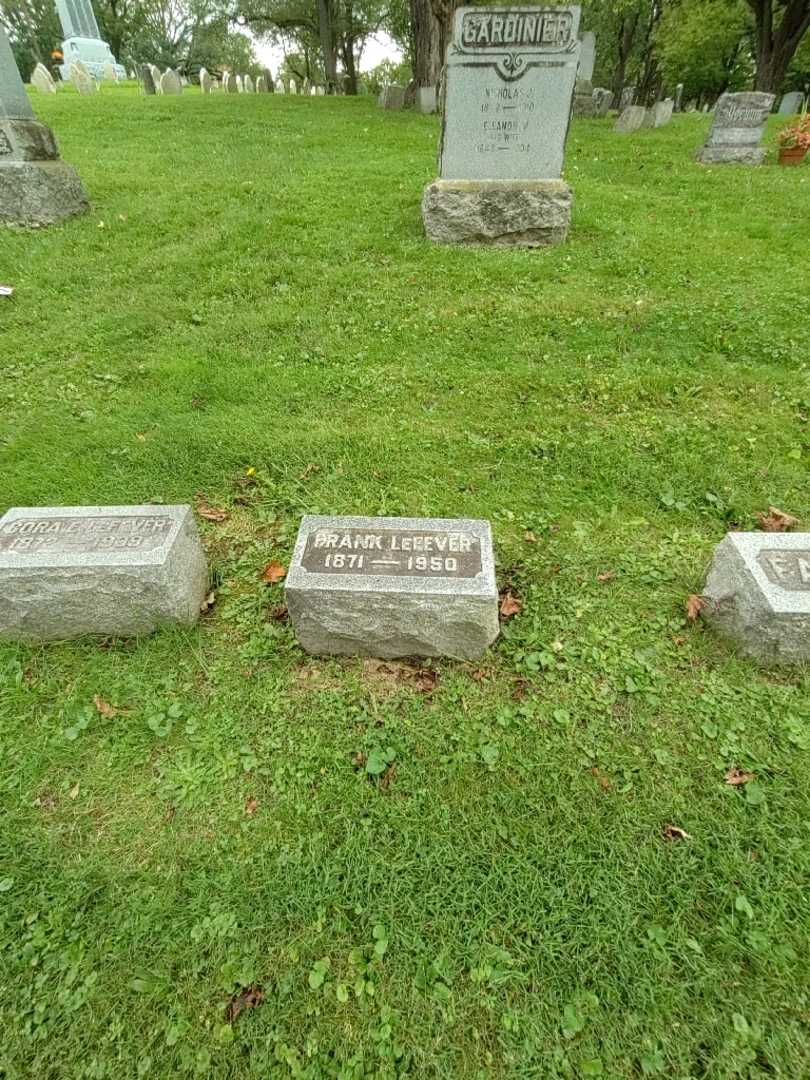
{"x": 111, "y": 570}
{"x": 791, "y": 103}
{"x": 757, "y": 595}
{"x": 36, "y": 186}
{"x": 392, "y": 587}
{"x": 510, "y": 77}
{"x": 739, "y": 120}
{"x": 83, "y": 41}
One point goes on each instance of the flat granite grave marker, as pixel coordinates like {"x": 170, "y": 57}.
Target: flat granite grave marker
{"x": 36, "y": 186}
{"x": 392, "y": 587}
{"x": 757, "y": 595}
{"x": 662, "y": 112}
{"x": 170, "y": 82}
{"x": 736, "y": 130}
{"x": 510, "y": 77}
{"x": 110, "y": 570}
{"x": 632, "y": 118}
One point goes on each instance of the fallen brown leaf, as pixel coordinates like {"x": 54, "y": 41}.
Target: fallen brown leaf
{"x": 74, "y": 791}
{"x": 736, "y": 776}
{"x": 479, "y": 675}
{"x": 608, "y": 575}
{"x": 359, "y": 760}
{"x": 104, "y": 707}
{"x": 675, "y": 832}
{"x": 389, "y": 676}
{"x": 280, "y": 613}
{"x": 210, "y": 513}
{"x": 694, "y": 605}
{"x": 510, "y": 605}
{"x": 776, "y": 520}
{"x": 251, "y": 806}
{"x": 529, "y": 537}
{"x": 208, "y": 602}
{"x": 387, "y": 777}
{"x": 249, "y": 998}
{"x": 426, "y": 679}
{"x": 604, "y": 781}
{"x": 308, "y": 471}
{"x": 273, "y": 573}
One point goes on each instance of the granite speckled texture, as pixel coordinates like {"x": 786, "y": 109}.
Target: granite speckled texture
{"x": 398, "y": 614}
{"x": 34, "y": 193}
{"x": 114, "y": 571}
{"x": 525, "y": 213}
{"x": 757, "y": 595}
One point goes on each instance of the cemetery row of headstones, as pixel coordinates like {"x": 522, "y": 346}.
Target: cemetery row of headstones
{"x": 356, "y": 586}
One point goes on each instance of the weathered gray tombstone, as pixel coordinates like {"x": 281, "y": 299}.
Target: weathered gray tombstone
{"x": 691, "y": 106}
{"x": 305, "y": 87}
{"x": 321, "y": 91}
{"x": 662, "y": 112}
{"x": 82, "y": 80}
{"x": 602, "y": 99}
{"x": 678, "y": 96}
{"x": 240, "y": 85}
{"x": 83, "y": 41}
{"x": 247, "y": 84}
{"x": 260, "y": 85}
{"x": 392, "y": 97}
{"x": 36, "y": 186}
{"x": 231, "y": 85}
{"x": 628, "y": 96}
{"x": 268, "y": 80}
{"x": 42, "y": 79}
{"x": 108, "y": 72}
{"x": 170, "y": 82}
{"x": 206, "y": 82}
{"x": 757, "y": 595}
{"x": 313, "y": 91}
{"x": 293, "y": 87}
{"x": 147, "y": 81}
{"x": 111, "y": 570}
{"x": 791, "y": 103}
{"x": 632, "y": 118}
{"x": 392, "y": 587}
{"x": 425, "y": 101}
{"x": 739, "y": 120}
{"x": 510, "y": 77}
{"x": 583, "y": 90}
{"x": 279, "y": 86}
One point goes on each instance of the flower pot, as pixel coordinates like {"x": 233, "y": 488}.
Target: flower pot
{"x": 792, "y": 155}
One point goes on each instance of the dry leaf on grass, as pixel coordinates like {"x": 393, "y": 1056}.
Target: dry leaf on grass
{"x": 308, "y": 471}
{"x": 280, "y": 613}
{"x": 675, "y": 832}
{"x": 249, "y": 998}
{"x": 694, "y": 605}
{"x": 387, "y": 676}
{"x": 510, "y": 605}
{"x": 776, "y": 520}
{"x": 74, "y": 791}
{"x": 736, "y": 776}
{"x": 273, "y": 573}
{"x": 104, "y": 707}
{"x": 529, "y": 537}
{"x": 208, "y": 602}
{"x": 604, "y": 781}
{"x": 210, "y": 513}
{"x": 608, "y": 575}
{"x": 251, "y": 806}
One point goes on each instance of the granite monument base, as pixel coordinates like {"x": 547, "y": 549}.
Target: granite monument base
{"x": 729, "y": 155}
{"x": 506, "y": 213}
{"x": 34, "y": 193}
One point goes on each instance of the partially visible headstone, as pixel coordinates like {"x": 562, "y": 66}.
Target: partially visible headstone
{"x": 739, "y": 120}
{"x": 147, "y": 81}
{"x": 791, "y": 103}
{"x": 83, "y": 82}
{"x": 108, "y": 72}
{"x": 293, "y": 87}
{"x": 678, "y": 97}
{"x": 206, "y": 82}
{"x": 156, "y": 73}
{"x": 662, "y": 112}
{"x": 583, "y": 98}
{"x": 247, "y": 84}
{"x": 691, "y": 106}
{"x": 170, "y": 82}
{"x": 321, "y": 91}
{"x": 393, "y": 97}
{"x": 313, "y": 90}
{"x": 268, "y": 80}
{"x": 602, "y": 99}
{"x": 393, "y": 587}
{"x": 305, "y": 87}
{"x": 633, "y": 117}
{"x": 231, "y": 85}
{"x": 42, "y": 79}
{"x": 757, "y": 595}
{"x": 509, "y": 83}
{"x": 426, "y": 99}
{"x": 628, "y": 97}
{"x": 240, "y": 84}
{"x": 110, "y": 570}
{"x": 279, "y": 86}
{"x": 260, "y": 85}
{"x": 184, "y": 81}
{"x": 587, "y": 56}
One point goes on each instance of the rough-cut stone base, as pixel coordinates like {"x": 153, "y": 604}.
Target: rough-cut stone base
{"x": 40, "y": 193}
{"x": 725, "y": 155}
{"x": 404, "y": 624}
{"x": 526, "y": 213}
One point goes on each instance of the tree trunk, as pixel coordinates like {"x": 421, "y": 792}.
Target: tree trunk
{"x": 444, "y": 12}
{"x": 775, "y": 48}
{"x": 627, "y": 36}
{"x": 350, "y": 80}
{"x": 326, "y": 33}
{"x": 426, "y": 54}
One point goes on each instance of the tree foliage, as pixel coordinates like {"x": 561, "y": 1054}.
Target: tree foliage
{"x": 705, "y": 44}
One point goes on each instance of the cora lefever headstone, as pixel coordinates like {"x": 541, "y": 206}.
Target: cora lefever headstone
{"x": 110, "y": 570}
{"x": 392, "y": 587}
{"x": 736, "y": 131}
{"x": 510, "y": 77}
{"x": 757, "y": 595}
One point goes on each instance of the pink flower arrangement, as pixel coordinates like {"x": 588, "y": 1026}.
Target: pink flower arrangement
{"x": 796, "y": 136}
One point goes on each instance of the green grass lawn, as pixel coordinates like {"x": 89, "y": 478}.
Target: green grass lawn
{"x": 252, "y": 291}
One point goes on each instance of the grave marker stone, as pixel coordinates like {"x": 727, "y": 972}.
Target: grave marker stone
{"x": 293, "y": 87}
{"x": 678, "y": 97}
{"x": 147, "y": 82}
{"x": 260, "y": 85}
{"x": 602, "y": 99}
{"x": 662, "y": 112}
{"x": 42, "y": 79}
{"x": 108, "y": 73}
{"x": 170, "y": 82}
{"x": 247, "y": 84}
{"x": 206, "y": 82}
{"x": 392, "y": 587}
{"x": 757, "y": 595}
{"x": 631, "y": 119}
{"x": 510, "y": 77}
{"x": 83, "y": 41}
{"x": 231, "y": 85}
{"x": 393, "y": 97}
{"x": 82, "y": 80}
{"x": 628, "y": 96}
{"x": 426, "y": 99}
{"x": 279, "y": 86}
{"x": 584, "y": 104}
{"x": 110, "y": 570}
{"x": 268, "y": 81}
{"x": 791, "y": 103}
{"x": 739, "y": 120}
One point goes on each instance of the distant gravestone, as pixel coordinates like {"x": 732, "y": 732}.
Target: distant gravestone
{"x": 393, "y": 587}
{"x": 108, "y": 72}
{"x": 109, "y": 570}
{"x": 587, "y": 56}
{"x": 293, "y": 87}
{"x": 739, "y": 120}
{"x": 321, "y": 91}
{"x": 206, "y": 82}
{"x": 260, "y": 85}
{"x": 268, "y": 80}
{"x": 678, "y": 97}
{"x": 393, "y": 97}
{"x": 602, "y": 100}
{"x": 240, "y": 84}
{"x": 757, "y": 595}
{"x": 632, "y": 118}
{"x": 662, "y": 112}
{"x": 305, "y": 88}
{"x": 156, "y": 73}
{"x": 791, "y": 103}
{"x": 509, "y": 83}
{"x": 82, "y": 40}
{"x": 84, "y": 82}
{"x": 147, "y": 81}
{"x": 628, "y": 96}
{"x": 426, "y": 99}
{"x": 36, "y": 186}
{"x": 247, "y": 84}
{"x": 279, "y": 86}
{"x": 313, "y": 91}
{"x": 231, "y": 85}
{"x": 170, "y": 82}
{"x": 42, "y": 79}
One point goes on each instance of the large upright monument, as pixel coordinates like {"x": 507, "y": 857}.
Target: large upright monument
{"x": 83, "y": 40}
{"x": 36, "y": 186}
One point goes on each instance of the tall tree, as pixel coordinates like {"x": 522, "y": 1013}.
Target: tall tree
{"x": 779, "y": 26}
